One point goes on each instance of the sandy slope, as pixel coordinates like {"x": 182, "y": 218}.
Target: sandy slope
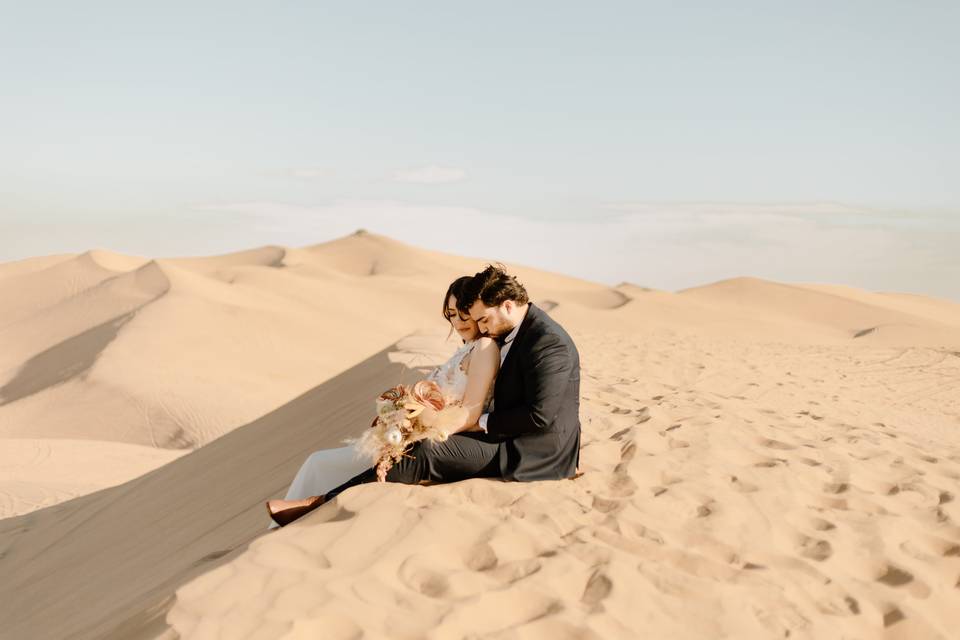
{"x": 754, "y": 468}
{"x": 732, "y": 489}
{"x": 29, "y": 293}
{"x": 842, "y": 312}
{"x": 40, "y": 472}
{"x": 106, "y": 564}
{"x": 173, "y": 353}
{"x": 29, "y": 265}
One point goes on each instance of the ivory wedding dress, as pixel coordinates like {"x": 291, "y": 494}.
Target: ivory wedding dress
{"x": 329, "y": 468}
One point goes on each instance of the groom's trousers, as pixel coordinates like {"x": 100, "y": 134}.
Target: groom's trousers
{"x": 457, "y": 458}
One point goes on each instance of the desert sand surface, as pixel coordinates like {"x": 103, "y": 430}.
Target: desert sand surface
{"x": 40, "y": 472}
{"x": 170, "y": 354}
{"x": 761, "y": 459}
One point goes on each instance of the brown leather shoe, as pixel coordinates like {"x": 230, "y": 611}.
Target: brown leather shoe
{"x": 283, "y": 512}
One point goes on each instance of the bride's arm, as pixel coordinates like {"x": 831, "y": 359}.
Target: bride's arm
{"x": 484, "y": 363}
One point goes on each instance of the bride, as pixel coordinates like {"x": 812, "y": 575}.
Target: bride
{"x": 466, "y": 379}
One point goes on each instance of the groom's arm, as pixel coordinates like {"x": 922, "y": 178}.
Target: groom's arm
{"x": 546, "y": 378}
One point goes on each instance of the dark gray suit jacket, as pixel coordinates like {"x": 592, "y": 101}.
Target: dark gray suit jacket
{"x": 536, "y": 412}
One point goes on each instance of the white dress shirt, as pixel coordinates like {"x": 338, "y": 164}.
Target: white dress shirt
{"x": 507, "y": 342}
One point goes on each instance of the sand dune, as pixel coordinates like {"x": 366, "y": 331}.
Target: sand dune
{"x": 848, "y": 316}
{"x": 40, "y": 472}
{"x": 175, "y": 352}
{"x": 63, "y": 341}
{"x": 721, "y": 478}
{"x": 116, "y": 261}
{"x": 731, "y": 490}
{"x": 762, "y": 459}
{"x": 270, "y": 256}
{"x": 106, "y": 564}
{"x": 28, "y": 292}
{"x": 939, "y": 311}
{"x": 367, "y": 254}
{"x": 29, "y": 265}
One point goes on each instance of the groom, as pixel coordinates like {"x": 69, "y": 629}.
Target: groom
{"x": 535, "y": 419}
{"x": 533, "y": 429}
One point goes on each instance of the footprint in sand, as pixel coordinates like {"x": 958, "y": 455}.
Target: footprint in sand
{"x": 821, "y": 525}
{"x": 769, "y": 463}
{"x": 899, "y": 578}
{"x": 845, "y": 605}
{"x": 511, "y": 572}
{"x": 893, "y": 616}
{"x": 770, "y": 443}
{"x": 836, "y": 487}
{"x": 622, "y": 485}
{"x": 705, "y": 509}
{"x": 742, "y": 487}
{"x": 488, "y": 494}
{"x": 480, "y": 557}
{"x": 606, "y": 505}
{"x": 813, "y": 548}
{"x": 416, "y": 575}
{"x": 597, "y": 589}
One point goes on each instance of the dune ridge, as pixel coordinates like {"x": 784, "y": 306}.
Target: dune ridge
{"x": 38, "y": 289}
{"x": 850, "y": 312}
{"x": 74, "y": 570}
{"x": 761, "y": 459}
{"x": 175, "y": 352}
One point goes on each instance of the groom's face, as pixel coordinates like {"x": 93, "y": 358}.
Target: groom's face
{"x": 493, "y": 321}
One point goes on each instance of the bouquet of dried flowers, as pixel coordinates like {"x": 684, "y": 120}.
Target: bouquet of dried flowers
{"x": 405, "y": 415}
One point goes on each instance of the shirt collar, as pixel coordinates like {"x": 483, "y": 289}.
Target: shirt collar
{"x": 513, "y": 334}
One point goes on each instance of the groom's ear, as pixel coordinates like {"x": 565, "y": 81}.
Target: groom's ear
{"x": 509, "y": 306}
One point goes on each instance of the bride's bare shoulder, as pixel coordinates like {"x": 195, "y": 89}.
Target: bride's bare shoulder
{"x": 487, "y": 343}
{"x": 488, "y": 350}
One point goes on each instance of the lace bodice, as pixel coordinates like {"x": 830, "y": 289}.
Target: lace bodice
{"x": 452, "y": 379}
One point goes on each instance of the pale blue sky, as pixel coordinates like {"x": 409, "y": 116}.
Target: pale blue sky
{"x": 177, "y": 128}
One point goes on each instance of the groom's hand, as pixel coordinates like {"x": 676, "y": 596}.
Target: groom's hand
{"x": 472, "y": 427}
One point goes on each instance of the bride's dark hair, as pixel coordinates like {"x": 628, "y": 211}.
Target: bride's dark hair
{"x": 455, "y": 289}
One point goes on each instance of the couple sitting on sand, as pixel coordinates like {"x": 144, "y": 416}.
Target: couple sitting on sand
{"x": 517, "y": 375}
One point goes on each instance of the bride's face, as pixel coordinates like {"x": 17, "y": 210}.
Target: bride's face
{"x": 461, "y": 322}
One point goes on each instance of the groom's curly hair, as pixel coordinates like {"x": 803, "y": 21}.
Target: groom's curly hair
{"x": 493, "y": 286}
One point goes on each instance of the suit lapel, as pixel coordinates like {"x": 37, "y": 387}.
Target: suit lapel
{"x": 532, "y": 311}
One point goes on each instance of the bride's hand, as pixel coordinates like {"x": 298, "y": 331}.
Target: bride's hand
{"x": 428, "y": 417}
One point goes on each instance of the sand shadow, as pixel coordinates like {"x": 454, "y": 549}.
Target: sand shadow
{"x": 63, "y": 361}
{"x": 118, "y": 555}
